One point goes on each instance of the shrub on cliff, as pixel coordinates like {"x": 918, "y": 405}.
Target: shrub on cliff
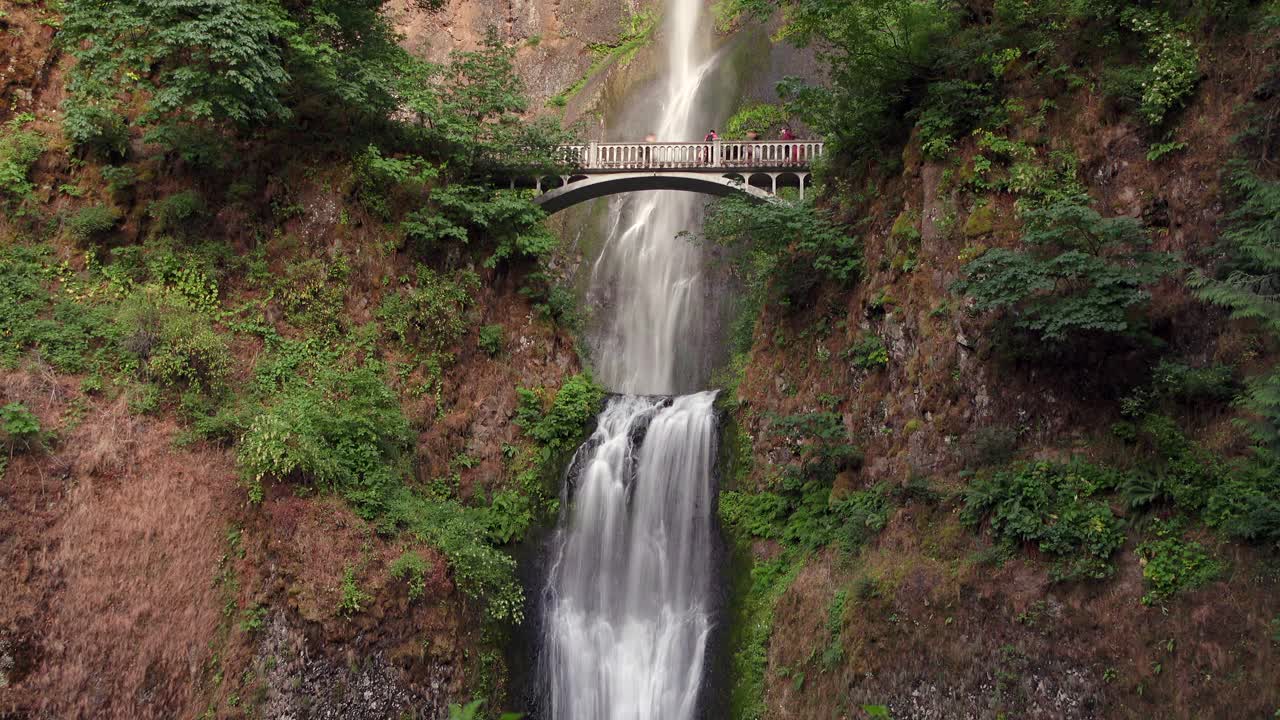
{"x": 19, "y": 150}
{"x": 561, "y": 426}
{"x": 1052, "y": 506}
{"x": 344, "y": 430}
{"x": 786, "y": 248}
{"x": 1080, "y": 275}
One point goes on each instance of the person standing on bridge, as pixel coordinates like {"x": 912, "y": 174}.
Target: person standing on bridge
{"x": 704, "y": 155}
{"x": 785, "y": 135}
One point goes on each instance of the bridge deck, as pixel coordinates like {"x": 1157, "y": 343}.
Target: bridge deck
{"x": 719, "y": 156}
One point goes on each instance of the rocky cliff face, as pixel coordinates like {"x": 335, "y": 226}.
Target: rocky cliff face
{"x": 555, "y": 39}
{"x": 922, "y": 620}
{"x": 144, "y": 585}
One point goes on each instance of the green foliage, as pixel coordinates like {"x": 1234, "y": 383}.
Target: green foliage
{"x": 1247, "y": 286}
{"x": 563, "y": 425}
{"x": 176, "y": 213}
{"x": 470, "y": 110}
{"x": 353, "y": 599}
{"x": 412, "y": 568}
{"x": 950, "y": 110}
{"x": 19, "y": 427}
{"x": 756, "y": 596}
{"x": 1171, "y": 564}
{"x": 67, "y": 333}
{"x": 1246, "y": 503}
{"x": 463, "y": 534}
{"x": 311, "y": 294}
{"x": 91, "y": 224}
{"x": 1190, "y": 385}
{"x": 19, "y": 150}
{"x": 176, "y": 345}
{"x": 212, "y": 59}
{"x": 1083, "y": 274}
{"x": 877, "y": 52}
{"x": 432, "y": 313}
{"x": 1053, "y": 506}
{"x": 491, "y": 339}
{"x": 762, "y": 118}
{"x": 868, "y": 353}
{"x": 254, "y": 618}
{"x": 344, "y": 430}
{"x": 509, "y": 517}
{"x": 471, "y": 711}
{"x": 93, "y": 127}
{"x": 1174, "y": 72}
{"x": 1160, "y": 150}
{"x": 507, "y": 220}
{"x": 803, "y": 516}
{"x": 383, "y": 181}
{"x": 833, "y": 654}
{"x": 786, "y": 247}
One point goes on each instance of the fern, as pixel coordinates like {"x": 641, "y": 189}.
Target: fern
{"x": 1250, "y": 288}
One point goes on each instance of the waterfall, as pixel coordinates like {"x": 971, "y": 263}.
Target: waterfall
{"x": 627, "y": 603}
{"x": 626, "y": 608}
{"x": 650, "y": 283}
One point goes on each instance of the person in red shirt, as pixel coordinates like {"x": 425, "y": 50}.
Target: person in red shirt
{"x": 786, "y": 135}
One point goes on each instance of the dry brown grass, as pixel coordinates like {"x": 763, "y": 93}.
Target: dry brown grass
{"x": 135, "y": 558}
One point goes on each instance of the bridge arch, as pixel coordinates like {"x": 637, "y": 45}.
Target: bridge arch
{"x": 597, "y": 186}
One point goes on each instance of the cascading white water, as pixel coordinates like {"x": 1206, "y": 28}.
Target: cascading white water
{"x": 650, "y": 281}
{"x": 628, "y": 599}
{"x": 627, "y": 604}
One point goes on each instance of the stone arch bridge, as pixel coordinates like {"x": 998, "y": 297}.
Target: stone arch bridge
{"x": 757, "y": 169}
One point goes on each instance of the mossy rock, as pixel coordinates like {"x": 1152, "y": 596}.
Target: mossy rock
{"x": 981, "y": 222}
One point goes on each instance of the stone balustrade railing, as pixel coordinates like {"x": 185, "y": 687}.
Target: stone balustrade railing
{"x": 718, "y": 155}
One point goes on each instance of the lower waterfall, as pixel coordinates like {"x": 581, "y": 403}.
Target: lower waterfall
{"x": 627, "y": 604}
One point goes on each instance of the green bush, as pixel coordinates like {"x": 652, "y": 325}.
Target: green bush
{"x": 344, "y": 430}
{"x": 175, "y": 213}
{"x": 432, "y": 313}
{"x": 381, "y": 182}
{"x": 19, "y": 150}
{"x": 509, "y": 517}
{"x": 1175, "y": 69}
{"x": 19, "y": 427}
{"x": 69, "y": 334}
{"x": 93, "y": 128}
{"x": 353, "y": 599}
{"x": 563, "y": 425}
{"x": 876, "y": 53}
{"x": 1171, "y": 564}
{"x": 785, "y": 248}
{"x": 412, "y": 568}
{"x": 1245, "y": 286}
{"x": 481, "y": 571}
{"x": 1052, "y": 506}
{"x": 1186, "y": 384}
{"x": 868, "y": 353}
{"x": 491, "y": 339}
{"x": 93, "y": 223}
{"x": 1082, "y": 274}
{"x": 763, "y": 118}
{"x": 176, "y": 345}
